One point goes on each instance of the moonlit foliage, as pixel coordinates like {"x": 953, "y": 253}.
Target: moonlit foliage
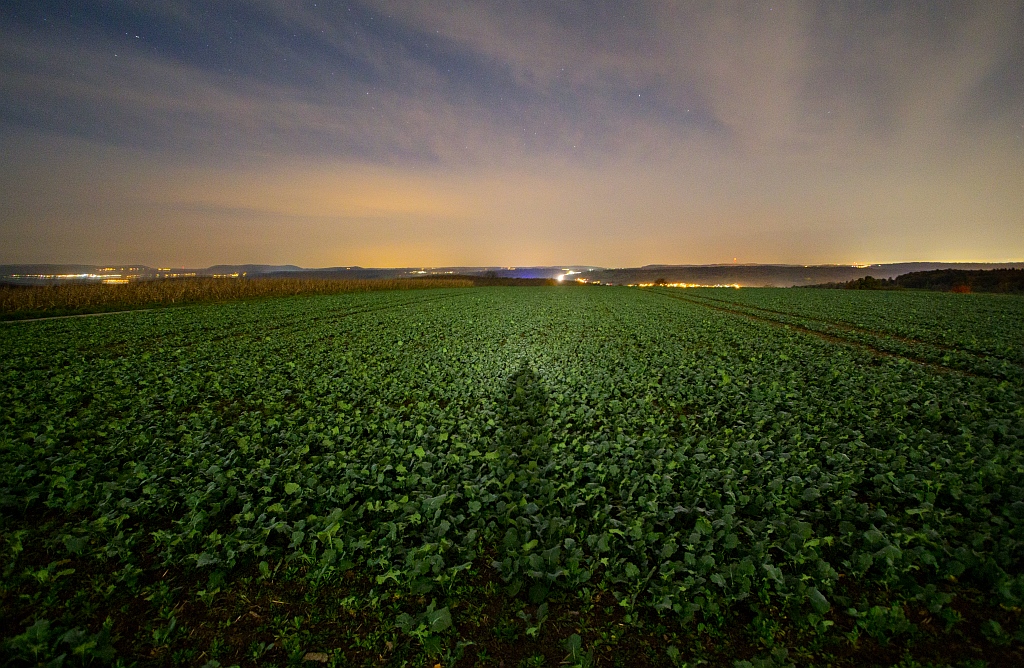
{"x": 695, "y": 455}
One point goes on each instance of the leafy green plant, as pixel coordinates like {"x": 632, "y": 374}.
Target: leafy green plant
{"x": 577, "y": 658}
{"x": 427, "y": 626}
{"x": 995, "y": 634}
{"x": 42, "y": 644}
{"x": 882, "y": 623}
{"x": 777, "y": 658}
{"x": 536, "y": 620}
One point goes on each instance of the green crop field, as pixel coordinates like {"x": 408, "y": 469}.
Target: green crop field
{"x": 518, "y": 477}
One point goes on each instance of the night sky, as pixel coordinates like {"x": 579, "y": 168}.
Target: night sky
{"x": 429, "y": 133}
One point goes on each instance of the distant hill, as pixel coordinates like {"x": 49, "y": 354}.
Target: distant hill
{"x": 774, "y": 275}
{"x": 747, "y": 275}
{"x": 248, "y": 269}
{"x": 1009, "y": 280}
{"x": 350, "y": 273}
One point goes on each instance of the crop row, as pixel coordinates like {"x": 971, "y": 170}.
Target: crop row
{"x": 693, "y": 459}
{"x": 941, "y": 355}
{"x": 984, "y": 324}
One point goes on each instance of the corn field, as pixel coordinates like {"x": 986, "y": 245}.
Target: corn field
{"x": 85, "y": 297}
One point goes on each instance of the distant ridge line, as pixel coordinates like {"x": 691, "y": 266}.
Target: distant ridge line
{"x": 747, "y": 275}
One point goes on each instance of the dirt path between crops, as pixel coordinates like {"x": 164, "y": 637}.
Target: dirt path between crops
{"x": 877, "y": 333}
{"x": 827, "y": 337}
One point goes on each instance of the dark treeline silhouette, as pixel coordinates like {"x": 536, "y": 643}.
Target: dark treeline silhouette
{"x": 943, "y": 280}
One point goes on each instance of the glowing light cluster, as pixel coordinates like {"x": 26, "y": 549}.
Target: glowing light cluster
{"x": 71, "y": 277}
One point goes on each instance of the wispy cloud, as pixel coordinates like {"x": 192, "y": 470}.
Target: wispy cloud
{"x": 615, "y": 132}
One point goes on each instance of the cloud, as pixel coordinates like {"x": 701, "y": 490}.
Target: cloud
{"x": 773, "y": 76}
{"x": 492, "y": 132}
{"x": 463, "y": 82}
